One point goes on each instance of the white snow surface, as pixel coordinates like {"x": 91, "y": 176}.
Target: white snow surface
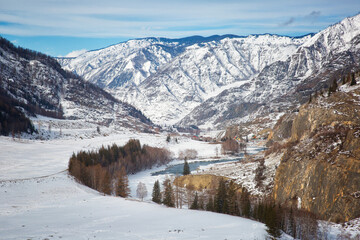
{"x": 166, "y": 79}
{"x": 38, "y": 200}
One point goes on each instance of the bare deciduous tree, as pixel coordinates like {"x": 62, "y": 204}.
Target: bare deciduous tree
{"x": 141, "y": 191}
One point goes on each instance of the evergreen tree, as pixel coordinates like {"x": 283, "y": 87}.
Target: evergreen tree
{"x": 201, "y": 203}
{"x": 272, "y": 222}
{"x": 245, "y": 203}
{"x": 106, "y": 183}
{"x": 210, "y": 204}
{"x": 292, "y": 224}
{"x": 122, "y": 188}
{"x": 221, "y": 200}
{"x": 195, "y": 204}
{"x": 333, "y": 87}
{"x": 156, "y": 195}
{"x": 353, "y": 81}
{"x": 232, "y": 199}
{"x": 186, "y": 170}
{"x": 168, "y": 194}
{"x": 343, "y": 80}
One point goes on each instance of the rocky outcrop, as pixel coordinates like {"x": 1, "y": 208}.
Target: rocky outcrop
{"x": 320, "y": 171}
{"x": 282, "y": 128}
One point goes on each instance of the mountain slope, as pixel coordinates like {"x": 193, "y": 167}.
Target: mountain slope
{"x": 284, "y": 84}
{"x": 37, "y": 84}
{"x": 166, "y": 78}
{"x": 320, "y": 170}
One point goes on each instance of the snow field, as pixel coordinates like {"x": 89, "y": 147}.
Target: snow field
{"x": 38, "y": 200}
{"x": 59, "y": 208}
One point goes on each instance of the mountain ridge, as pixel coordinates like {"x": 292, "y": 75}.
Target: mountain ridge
{"x": 283, "y": 85}
{"x": 36, "y": 84}
{"x": 128, "y": 76}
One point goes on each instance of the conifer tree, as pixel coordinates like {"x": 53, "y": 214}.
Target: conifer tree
{"x": 186, "y": 170}
{"x": 292, "y": 224}
{"x": 195, "y": 204}
{"x": 221, "y": 200}
{"x": 245, "y": 203}
{"x": 156, "y": 195}
{"x": 122, "y": 188}
{"x": 201, "y": 203}
{"x": 353, "y": 81}
{"x": 271, "y": 222}
{"x": 232, "y": 199}
{"x": 210, "y": 204}
{"x": 168, "y": 194}
{"x": 106, "y": 183}
{"x": 333, "y": 87}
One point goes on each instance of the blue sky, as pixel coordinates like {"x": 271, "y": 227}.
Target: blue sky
{"x": 58, "y": 27}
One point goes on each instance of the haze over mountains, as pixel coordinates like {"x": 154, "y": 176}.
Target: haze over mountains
{"x": 182, "y": 79}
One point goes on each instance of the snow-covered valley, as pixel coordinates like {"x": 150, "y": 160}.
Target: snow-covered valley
{"x": 39, "y": 200}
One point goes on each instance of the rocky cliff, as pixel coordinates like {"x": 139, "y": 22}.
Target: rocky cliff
{"x": 320, "y": 170}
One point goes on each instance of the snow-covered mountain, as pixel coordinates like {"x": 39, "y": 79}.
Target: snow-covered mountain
{"x": 37, "y": 84}
{"x": 221, "y": 79}
{"x": 286, "y": 83}
{"x": 167, "y": 78}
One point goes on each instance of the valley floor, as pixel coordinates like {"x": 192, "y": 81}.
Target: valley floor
{"x": 39, "y": 200}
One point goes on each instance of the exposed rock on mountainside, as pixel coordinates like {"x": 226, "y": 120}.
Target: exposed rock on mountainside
{"x": 167, "y": 78}
{"x": 281, "y": 86}
{"x": 282, "y": 128}
{"x": 36, "y": 84}
{"x": 320, "y": 171}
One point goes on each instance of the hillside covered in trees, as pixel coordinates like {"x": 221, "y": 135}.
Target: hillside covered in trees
{"x": 32, "y": 83}
{"x": 99, "y": 169}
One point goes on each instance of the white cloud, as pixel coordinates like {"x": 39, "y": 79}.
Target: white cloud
{"x": 140, "y": 18}
{"x": 76, "y": 53}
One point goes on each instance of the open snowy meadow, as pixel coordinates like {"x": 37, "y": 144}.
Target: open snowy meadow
{"x": 39, "y": 200}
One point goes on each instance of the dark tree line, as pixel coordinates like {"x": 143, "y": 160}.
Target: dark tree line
{"x": 99, "y": 169}
{"x": 230, "y": 198}
{"x": 12, "y": 120}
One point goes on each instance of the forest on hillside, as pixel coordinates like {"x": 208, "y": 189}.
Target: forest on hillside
{"x": 106, "y": 169}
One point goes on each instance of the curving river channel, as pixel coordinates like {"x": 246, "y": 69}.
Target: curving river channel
{"x": 177, "y": 169}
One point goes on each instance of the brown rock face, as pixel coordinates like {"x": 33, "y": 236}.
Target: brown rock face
{"x": 321, "y": 169}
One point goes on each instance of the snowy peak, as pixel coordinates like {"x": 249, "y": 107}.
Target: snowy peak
{"x": 167, "y": 78}
{"x": 285, "y": 84}
{"x": 338, "y": 36}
